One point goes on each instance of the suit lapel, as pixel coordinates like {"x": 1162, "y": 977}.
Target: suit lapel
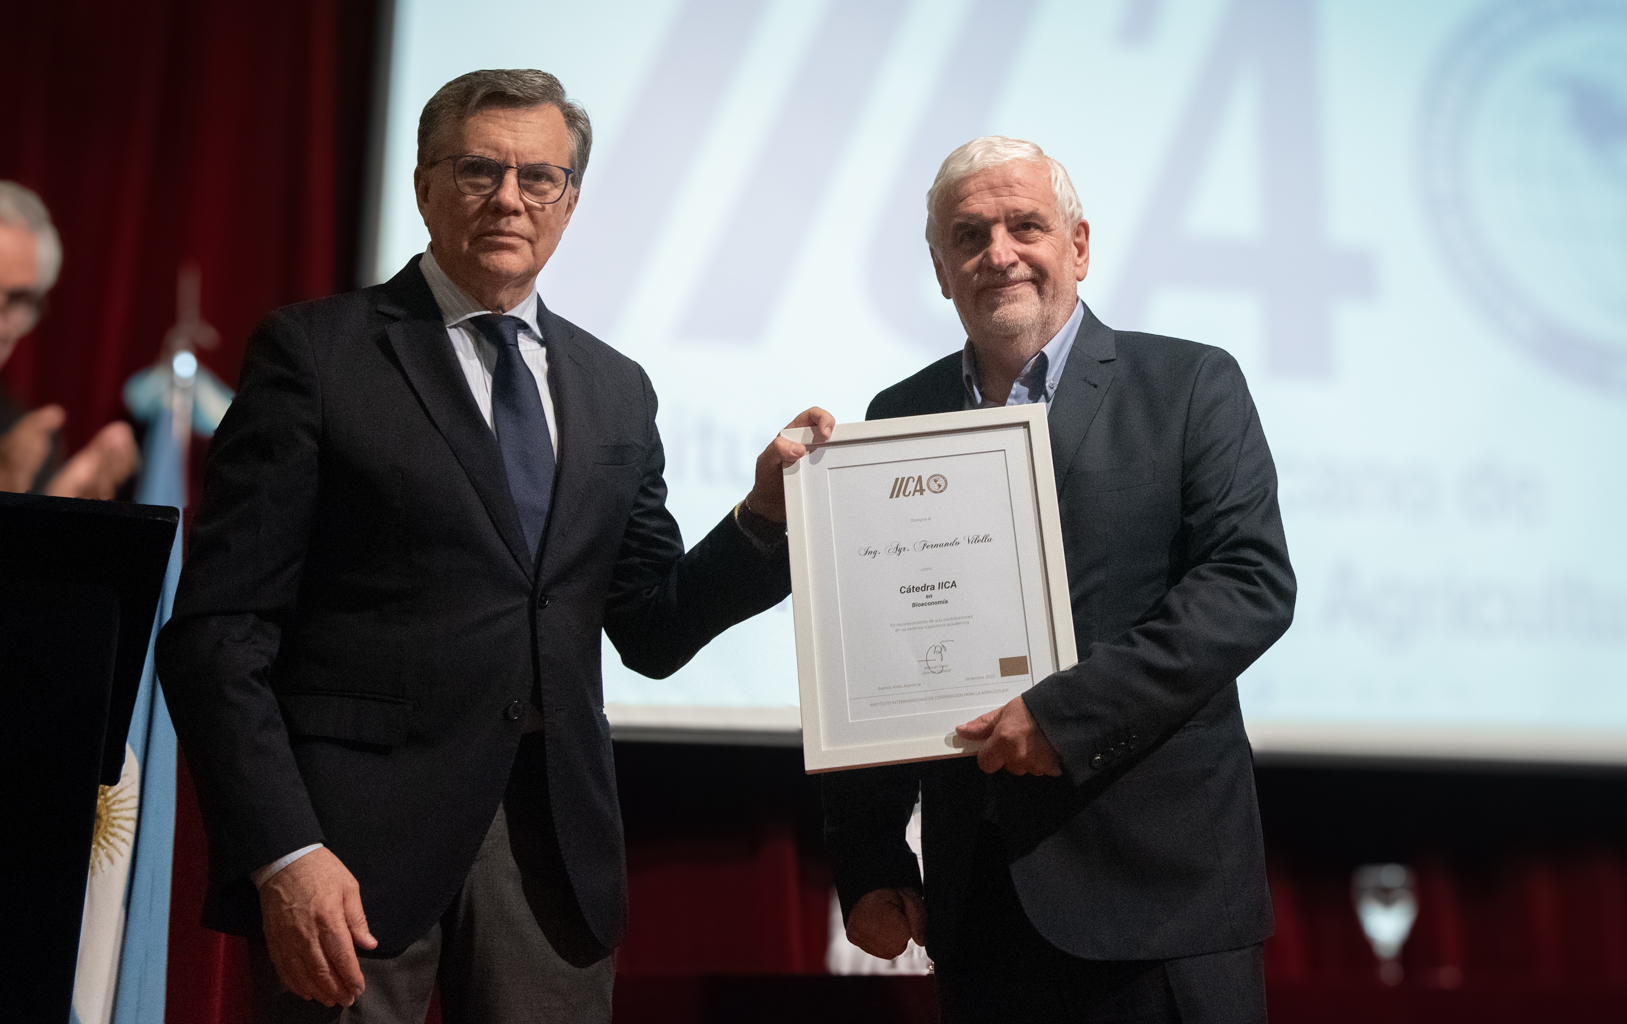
{"x": 1085, "y": 381}
{"x": 939, "y": 388}
{"x": 949, "y": 398}
{"x": 571, "y": 387}
{"x": 418, "y": 338}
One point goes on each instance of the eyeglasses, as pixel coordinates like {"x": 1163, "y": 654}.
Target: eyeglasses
{"x": 22, "y": 309}
{"x": 543, "y": 184}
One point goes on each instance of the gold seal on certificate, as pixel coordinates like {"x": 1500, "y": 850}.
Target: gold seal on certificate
{"x": 928, "y": 581}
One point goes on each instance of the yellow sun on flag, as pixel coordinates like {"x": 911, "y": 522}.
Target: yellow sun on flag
{"x": 115, "y": 822}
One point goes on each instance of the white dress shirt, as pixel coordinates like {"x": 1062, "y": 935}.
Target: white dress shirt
{"x": 476, "y": 355}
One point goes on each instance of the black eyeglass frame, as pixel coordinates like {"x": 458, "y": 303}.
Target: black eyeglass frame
{"x": 570, "y": 172}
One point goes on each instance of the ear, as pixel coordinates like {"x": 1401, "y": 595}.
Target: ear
{"x": 1081, "y": 250}
{"x": 570, "y": 206}
{"x": 943, "y": 275}
{"x": 420, "y": 189}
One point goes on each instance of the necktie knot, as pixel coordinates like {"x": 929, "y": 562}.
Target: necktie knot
{"x": 499, "y": 329}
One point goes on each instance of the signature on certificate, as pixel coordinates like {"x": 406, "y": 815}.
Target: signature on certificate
{"x": 935, "y": 662}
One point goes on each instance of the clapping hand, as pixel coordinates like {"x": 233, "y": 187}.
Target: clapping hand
{"x": 96, "y": 471}
{"x": 101, "y": 467}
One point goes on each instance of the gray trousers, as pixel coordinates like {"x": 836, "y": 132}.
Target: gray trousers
{"x": 511, "y": 947}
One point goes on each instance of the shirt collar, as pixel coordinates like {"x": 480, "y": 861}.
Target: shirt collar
{"x": 456, "y": 305}
{"x": 1042, "y": 375}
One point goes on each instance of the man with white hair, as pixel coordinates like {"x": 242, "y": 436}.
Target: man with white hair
{"x": 30, "y": 257}
{"x": 1102, "y": 858}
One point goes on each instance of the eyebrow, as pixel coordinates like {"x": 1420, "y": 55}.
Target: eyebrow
{"x": 965, "y": 220}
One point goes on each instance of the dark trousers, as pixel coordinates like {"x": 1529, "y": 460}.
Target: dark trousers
{"x": 512, "y": 946}
{"x": 1004, "y": 970}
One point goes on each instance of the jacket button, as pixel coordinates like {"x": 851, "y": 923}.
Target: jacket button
{"x": 1096, "y": 762}
{"x": 542, "y": 602}
{"x": 512, "y": 712}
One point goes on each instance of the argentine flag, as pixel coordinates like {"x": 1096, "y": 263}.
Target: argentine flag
{"x": 124, "y": 937}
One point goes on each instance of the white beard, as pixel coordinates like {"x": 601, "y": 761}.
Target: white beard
{"x": 1014, "y": 318}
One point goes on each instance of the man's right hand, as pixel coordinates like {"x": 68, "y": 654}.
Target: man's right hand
{"x": 884, "y": 920}
{"x": 24, "y": 448}
{"x": 313, "y": 922}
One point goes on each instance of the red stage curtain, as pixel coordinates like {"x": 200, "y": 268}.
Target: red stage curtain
{"x": 752, "y": 899}
{"x": 1530, "y": 917}
{"x": 164, "y": 131}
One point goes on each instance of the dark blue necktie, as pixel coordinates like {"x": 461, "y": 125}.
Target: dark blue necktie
{"x": 521, "y": 426}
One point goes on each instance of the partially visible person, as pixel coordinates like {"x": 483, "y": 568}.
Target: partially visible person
{"x": 30, "y": 256}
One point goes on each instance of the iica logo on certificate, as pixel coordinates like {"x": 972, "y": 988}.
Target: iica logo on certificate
{"x": 914, "y": 486}
{"x": 936, "y": 571}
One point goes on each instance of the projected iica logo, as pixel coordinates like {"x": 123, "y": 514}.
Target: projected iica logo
{"x": 1524, "y": 178}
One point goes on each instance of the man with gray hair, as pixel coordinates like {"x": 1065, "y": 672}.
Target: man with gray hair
{"x": 30, "y": 258}
{"x": 1101, "y": 859}
{"x": 428, "y": 502}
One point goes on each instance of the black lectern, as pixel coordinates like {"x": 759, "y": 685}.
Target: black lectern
{"x": 79, "y": 588}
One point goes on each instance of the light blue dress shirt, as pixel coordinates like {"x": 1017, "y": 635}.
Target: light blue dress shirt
{"x": 1039, "y": 378}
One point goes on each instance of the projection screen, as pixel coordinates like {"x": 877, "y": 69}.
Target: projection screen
{"x": 1407, "y": 221}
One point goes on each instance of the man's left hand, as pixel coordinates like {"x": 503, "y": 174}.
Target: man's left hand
{"x": 767, "y": 497}
{"x": 1012, "y": 741}
{"x": 99, "y": 468}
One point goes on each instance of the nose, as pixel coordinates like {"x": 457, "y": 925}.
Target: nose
{"x": 507, "y": 198}
{"x": 1002, "y": 251}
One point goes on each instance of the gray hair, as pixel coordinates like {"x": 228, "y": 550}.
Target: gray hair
{"x": 992, "y": 151}
{"x": 467, "y": 95}
{"x": 22, "y": 208}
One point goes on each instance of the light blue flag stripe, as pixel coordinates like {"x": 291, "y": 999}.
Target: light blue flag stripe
{"x": 144, "y": 958}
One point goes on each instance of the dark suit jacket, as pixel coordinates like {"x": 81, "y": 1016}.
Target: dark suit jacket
{"x": 1148, "y": 846}
{"x": 358, "y": 619}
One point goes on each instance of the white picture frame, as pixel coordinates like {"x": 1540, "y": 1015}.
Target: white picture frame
{"x": 965, "y": 594}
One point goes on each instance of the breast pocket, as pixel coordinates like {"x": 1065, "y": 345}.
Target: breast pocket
{"x": 618, "y": 454}
{"x": 1118, "y": 521}
{"x": 1116, "y": 478}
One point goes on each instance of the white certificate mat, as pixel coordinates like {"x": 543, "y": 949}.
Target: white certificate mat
{"x": 928, "y": 583}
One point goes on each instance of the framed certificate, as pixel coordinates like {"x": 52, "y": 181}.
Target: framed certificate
{"x": 927, "y": 578}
